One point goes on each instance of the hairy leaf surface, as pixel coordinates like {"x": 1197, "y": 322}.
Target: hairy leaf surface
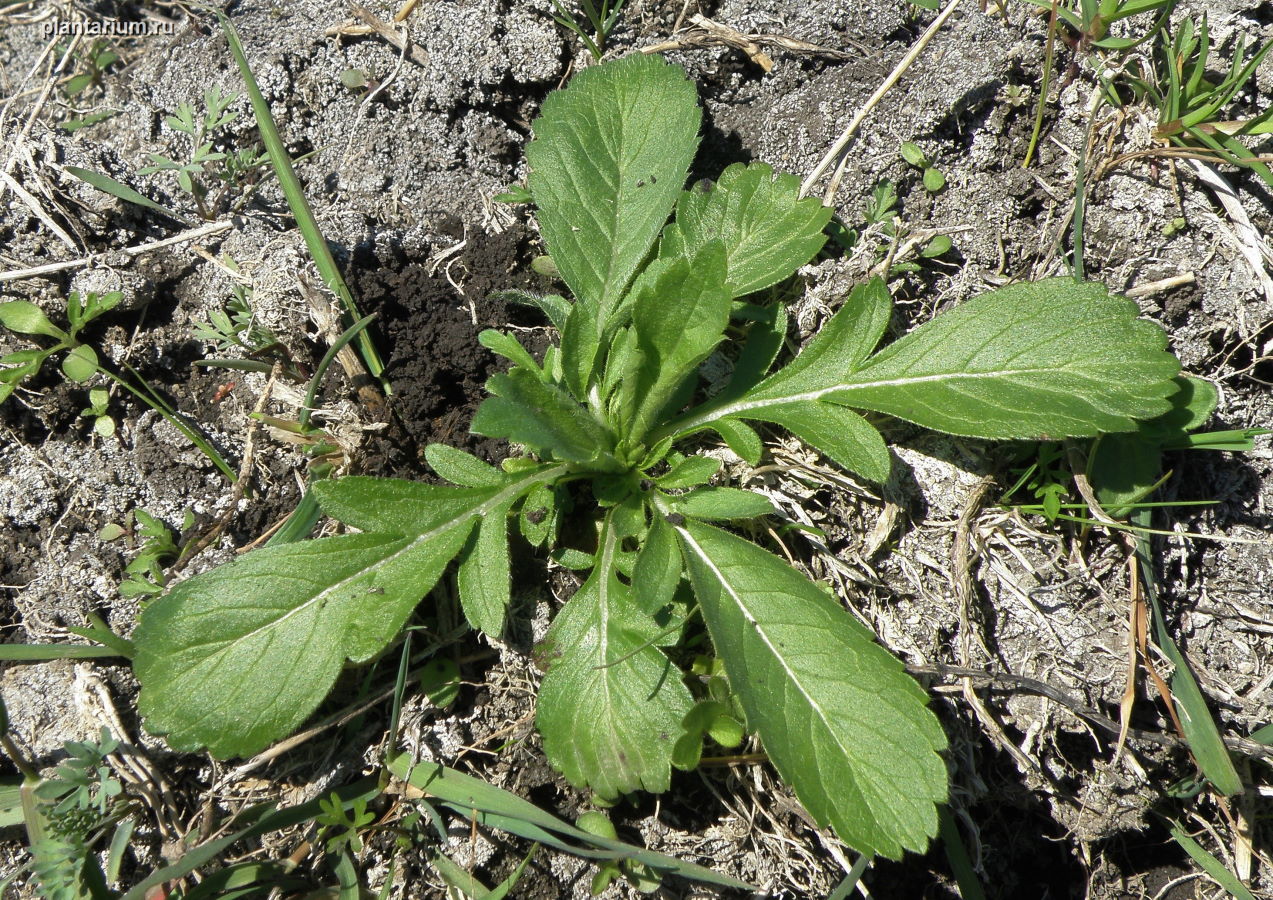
{"x": 484, "y": 579}
{"x": 1044, "y": 360}
{"x": 839, "y": 434}
{"x": 237, "y": 657}
{"x": 839, "y": 717}
{"x": 609, "y": 157}
{"x": 768, "y": 230}
{"x": 542, "y": 416}
{"x": 679, "y": 319}
{"x": 611, "y": 704}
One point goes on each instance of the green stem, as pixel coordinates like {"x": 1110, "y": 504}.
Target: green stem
{"x": 148, "y": 396}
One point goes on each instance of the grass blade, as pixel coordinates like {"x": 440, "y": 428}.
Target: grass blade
{"x": 300, "y": 207}
{"x": 1212, "y": 866}
{"x": 122, "y": 191}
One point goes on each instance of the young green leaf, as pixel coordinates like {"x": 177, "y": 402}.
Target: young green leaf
{"x": 237, "y": 657}
{"x": 839, "y": 434}
{"x": 840, "y": 719}
{"x": 462, "y": 468}
{"x": 611, "y": 705}
{"x": 542, "y": 416}
{"x": 25, "y": 317}
{"x": 722, "y": 504}
{"x": 483, "y": 579}
{"x": 80, "y": 364}
{"x": 768, "y": 231}
{"x": 657, "y": 570}
{"x": 609, "y": 157}
{"x": 679, "y": 317}
{"x": 689, "y": 472}
{"x": 741, "y": 438}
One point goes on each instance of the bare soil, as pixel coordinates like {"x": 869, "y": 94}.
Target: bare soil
{"x": 401, "y": 173}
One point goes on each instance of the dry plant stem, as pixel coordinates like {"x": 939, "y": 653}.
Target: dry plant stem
{"x": 714, "y": 34}
{"x": 1150, "y": 288}
{"x": 837, "y": 151}
{"x": 49, "y": 83}
{"x": 1244, "y": 746}
{"x": 961, "y": 561}
{"x": 1250, "y": 242}
{"x": 38, "y": 209}
{"x": 393, "y": 35}
{"x": 52, "y": 268}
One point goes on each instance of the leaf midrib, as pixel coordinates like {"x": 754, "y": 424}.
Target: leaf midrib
{"x": 740, "y": 408}
{"x": 760, "y": 631}
{"x": 508, "y": 494}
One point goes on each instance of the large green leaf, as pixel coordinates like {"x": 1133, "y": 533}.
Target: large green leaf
{"x": 609, "y": 157}
{"x": 768, "y": 230}
{"x": 1044, "y": 360}
{"x": 839, "y": 717}
{"x": 679, "y": 318}
{"x": 239, "y": 656}
{"x": 611, "y": 704}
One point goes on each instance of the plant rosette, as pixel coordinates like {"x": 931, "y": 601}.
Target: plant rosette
{"x": 606, "y": 424}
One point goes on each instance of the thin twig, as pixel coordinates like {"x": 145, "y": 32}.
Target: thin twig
{"x": 838, "y": 148}
{"x": 52, "y": 268}
{"x": 1242, "y": 745}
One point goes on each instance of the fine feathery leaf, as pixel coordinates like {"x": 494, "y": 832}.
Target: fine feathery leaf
{"x": 237, "y": 657}
{"x": 768, "y": 230}
{"x": 839, "y": 717}
{"x": 1044, "y": 360}
{"x": 609, "y": 157}
{"x": 611, "y": 704}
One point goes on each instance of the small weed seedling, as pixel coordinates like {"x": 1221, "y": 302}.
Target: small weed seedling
{"x": 81, "y": 363}
{"x": 204, "y": 164}
{"x": 157, "y": 547}
{"x": 91, "y": 65}
{"x": 601, "y": 18}
{"x": 609, "y": 419}
{"x": 934, "y": 180}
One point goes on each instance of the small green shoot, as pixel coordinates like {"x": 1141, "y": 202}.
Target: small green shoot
{"x": 145, "y": 574}
{"x": 96, "y": 411}
{"x": 933, "y": 179}
{"x": 341, "y": 828}
{"x": 80, "y": 362}
{"x": 92, "y": 61}
{"x": 204, "y": 165}
{"x": 599, "y": 17}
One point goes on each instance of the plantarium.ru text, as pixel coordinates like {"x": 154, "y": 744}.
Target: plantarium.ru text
{"x": 608, "y": 421}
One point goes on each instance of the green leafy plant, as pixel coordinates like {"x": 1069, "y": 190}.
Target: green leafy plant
{"x": 600, "y": 17}
{"x": 609, "y": 418}
{"x": 1178, "y": 78}
{"x": 98, "y": 401}
{"x": 81, "y": 362}
{"x": 1090, "y": 20}
{"x": 204, "y": 164}
{"x": 157, "y": 546}
{"x": 934, "y": 180}
{"x": 91, "y": 63}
